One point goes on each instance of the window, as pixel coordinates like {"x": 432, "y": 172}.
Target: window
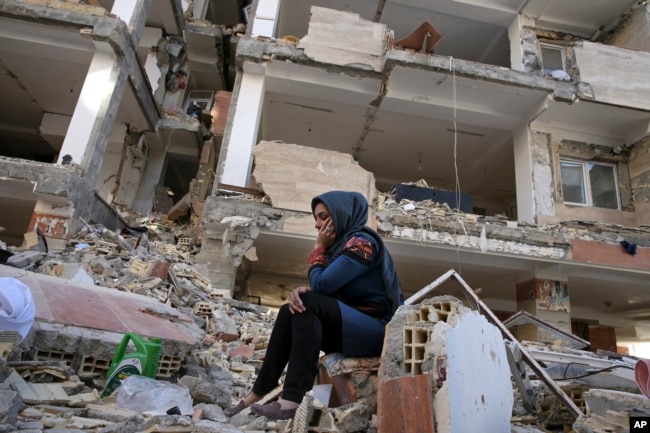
{"x": 202, "y": 98}
{"x": 552, "y": 58}
{"x": 589, "y": 184}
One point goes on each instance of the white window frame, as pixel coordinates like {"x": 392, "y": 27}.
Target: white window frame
{"x": 587, "y": 182}
{"x": 205, "y": 101}
{"x": 547, "y": 46}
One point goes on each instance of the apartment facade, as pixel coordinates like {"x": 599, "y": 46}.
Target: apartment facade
{"x": 530, "y": 117}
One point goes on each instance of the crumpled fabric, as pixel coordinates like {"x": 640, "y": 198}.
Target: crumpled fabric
{"x": 642, "y": 376}
{"x": 629, "y": 247}
{"x": 17, "y": 306}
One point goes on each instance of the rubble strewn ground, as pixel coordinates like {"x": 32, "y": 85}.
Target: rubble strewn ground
{"x": 154, "y": 258}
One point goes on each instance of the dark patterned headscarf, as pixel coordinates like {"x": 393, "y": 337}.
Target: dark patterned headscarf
{"x": 349, "y": 212}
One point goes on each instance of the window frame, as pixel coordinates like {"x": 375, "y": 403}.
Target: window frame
{"x": 550, "y": 46}
{"x": 586, "y": 181}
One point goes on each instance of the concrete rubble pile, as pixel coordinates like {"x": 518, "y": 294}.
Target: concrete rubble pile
{"x": 429, "y": 215}
{"x": 38, "y": 396}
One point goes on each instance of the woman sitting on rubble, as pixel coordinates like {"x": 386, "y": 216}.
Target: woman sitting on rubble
{"x": 354, "y": 293}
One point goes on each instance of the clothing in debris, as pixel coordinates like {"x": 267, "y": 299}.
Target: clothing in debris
{"x": 17, "y": 306}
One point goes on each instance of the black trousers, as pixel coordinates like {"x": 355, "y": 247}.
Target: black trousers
{"x": 297, "y": 339}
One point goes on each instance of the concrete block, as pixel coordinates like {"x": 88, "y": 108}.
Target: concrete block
{"x": 352, "y": 418}
{"x": 24, "y": 259}
{"x": 599, "y": 401}
{"x": 82, "y": 399}
{"x": 396, "y": 400}
{"x": 110, "y": 412}
{"x": 55, "y": 337}
{"x": 42, "y": 393}
{"x": 10, "y": 406}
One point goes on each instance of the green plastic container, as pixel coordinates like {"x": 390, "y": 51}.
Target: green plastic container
{"x": 143, "y": 362}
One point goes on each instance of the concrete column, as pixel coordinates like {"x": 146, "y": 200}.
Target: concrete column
{"x": 110, "y": 167}
{"x": 134, "y": 13}
{"x": 516, "y": 43}
{"x": 549, "y": 301}
{"x": 199, "y": 9}
{"x": 245, "y": 113}
{"x": 150, "y": 179}
{"x": 266, "y": 17}
{"x": 523, "y": 176}
{"x": 542, "y": 170}
{"x": 98, "y": 87}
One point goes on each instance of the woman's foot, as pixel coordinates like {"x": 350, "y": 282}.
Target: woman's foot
{"x": 278, "y": 410}
{"x": 250, "y": 398}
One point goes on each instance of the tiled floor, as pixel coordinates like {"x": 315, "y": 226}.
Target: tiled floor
{"x": 71, "y": 303}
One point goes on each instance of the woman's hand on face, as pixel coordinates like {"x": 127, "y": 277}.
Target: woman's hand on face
{"x": 295, "y": 303}
{"x": 326, "y": 234}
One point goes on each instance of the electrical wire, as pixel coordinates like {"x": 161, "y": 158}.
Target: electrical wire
{"x": 457, "y": 180}
{"x": 591, "y": 373}
{"x": 453, "y": 77}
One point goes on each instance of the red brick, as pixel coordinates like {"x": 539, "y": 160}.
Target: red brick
{"x": 243, "y": 350}
{"x": 159, "y": 269}
{"x": 610, "y": 255}
{"x": 198, "y": 206}
{"x": 405, "y": 405}
{"x": 205, "y": 153}
{"x": 52, "y": 226}
{"x": 180, "y": 209}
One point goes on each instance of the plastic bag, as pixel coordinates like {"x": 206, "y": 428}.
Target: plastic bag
{"x": 153, "y": 397}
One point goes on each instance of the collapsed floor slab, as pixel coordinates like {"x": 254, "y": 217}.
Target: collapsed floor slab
{"x": 82, "y": 324}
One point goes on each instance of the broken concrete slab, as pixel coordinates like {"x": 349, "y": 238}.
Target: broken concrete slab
{"x": 291, "y": 175}
{"x": 42, "y": 393}
{"x": 10, "y": 405}
{"x": 329, "y": 37}
{"x": 599, "y": 401}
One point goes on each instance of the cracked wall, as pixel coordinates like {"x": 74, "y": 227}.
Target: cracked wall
{"x": 639, "y": 169}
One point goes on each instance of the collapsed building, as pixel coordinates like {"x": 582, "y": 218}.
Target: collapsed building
{"x": 507, "y": 141}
